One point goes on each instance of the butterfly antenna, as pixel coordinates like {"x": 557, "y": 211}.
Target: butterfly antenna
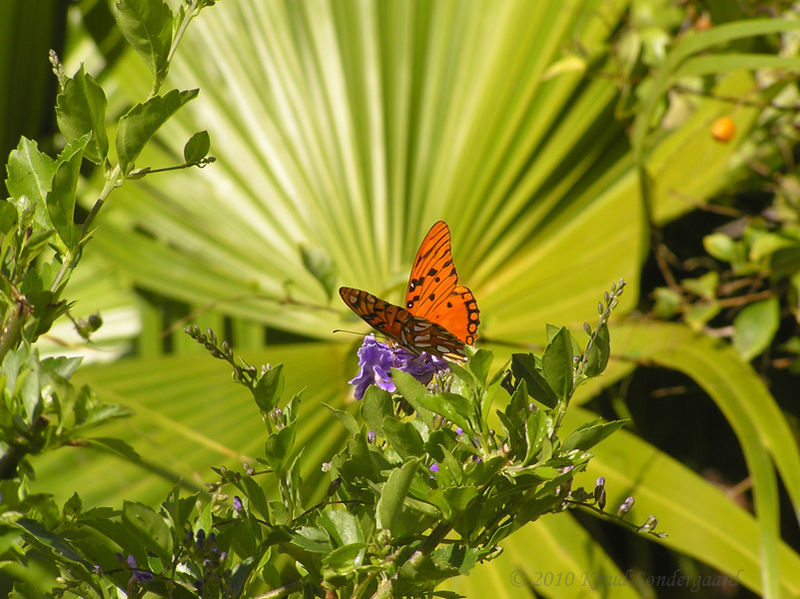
{"x": 350, "y": 332}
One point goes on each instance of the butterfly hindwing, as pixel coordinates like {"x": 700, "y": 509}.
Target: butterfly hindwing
{"x": 433, "y": 291}
{"x": 407, "y": 330}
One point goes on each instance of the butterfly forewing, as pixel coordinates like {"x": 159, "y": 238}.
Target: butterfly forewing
{"x": 439, "y": 316}
{"x": 433, "y": 291}
{"x": 377, "y": 313}
{"x": 411, "y": 332}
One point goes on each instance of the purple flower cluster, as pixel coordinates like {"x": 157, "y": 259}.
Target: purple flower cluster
{"x": 376, "y": 359}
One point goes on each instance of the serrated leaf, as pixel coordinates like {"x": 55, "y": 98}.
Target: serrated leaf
{"x": 197, "y": 147}
{"x": 81, "y": 109}
{"x": 141, "y": 122}
{"x": 755, "y": 326}
{"x": 147, "y": 25}
{"x": 30, "y": 174}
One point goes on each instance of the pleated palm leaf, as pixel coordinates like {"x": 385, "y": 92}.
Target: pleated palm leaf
{"x": 347, "y": 129}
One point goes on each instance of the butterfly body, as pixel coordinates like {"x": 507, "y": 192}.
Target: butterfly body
{"x": 438, "y": 315}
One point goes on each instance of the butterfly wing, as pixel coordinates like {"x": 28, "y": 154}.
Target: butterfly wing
{"x": 412, "y": 332}
{"x": 433, "y": 291}
{"x": 377, "y": 313}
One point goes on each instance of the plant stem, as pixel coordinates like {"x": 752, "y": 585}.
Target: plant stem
{"x": 114, "y": 180}
{"x": 283, "y": 591}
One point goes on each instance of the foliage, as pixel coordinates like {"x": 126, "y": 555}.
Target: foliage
{"x": 341, "y": 133}
{"x": 411, "y": 502}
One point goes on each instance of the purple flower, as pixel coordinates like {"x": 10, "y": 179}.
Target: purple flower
{"x": 142, "y": 576}
{"x": 459, "y": 430}
{"x": 237, "y": 503}
{"x": 376, "y": 359}
{"x": 434, "y": 467}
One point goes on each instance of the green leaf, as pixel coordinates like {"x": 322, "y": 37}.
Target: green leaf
{"x": 536, "y": 431}
{"x": 700, "y": 313}
{"x": 149, "y": 527}
{"x": 345, "y": 418}
{"x": 342, "y": 560}
{"x": 278, "y": 447}
{"x": 765, "y": 244}
{"x": 63, "y": 366}
{"x": 705, "y": 286}
{"x": 197, "y": 147}
{"x": 319, "y": 264}
{"x": 414, "y": 393}
{"x": 393, "y": 493}
{"x": 116, "y": 446}
{"x": 30, "y": 174}
{"x": 375, "y": 406}
{"x": 452, "y": 406}
{"x": 269, "y": 388}
{"x": 480, "y": 363}
{"x": 403, "y": 437}
{"x": 597, "y": 358}
{"x": 61, "y": 197}
{"x": 81, "y": 109}
{"x": 722, "y": 247}
{"x": 755, "y": 326}
{"x": 147, "y": 25}
{"x": 524, "y": 368}
{"x": 587, "y": 436}
{"x": 342, "y": 526}
{"x": 557, "y": 363}
{"x": 668, "y": 302}
{"x": 256, "y": 498}
{"x": 721, "y": 63}
{"x": 312, "y": 539}
{"x": 31, "y": 389}
{"x": 138, "y": 125}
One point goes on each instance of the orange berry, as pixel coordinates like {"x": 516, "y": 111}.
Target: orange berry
{"x": 703, "y": 22}
{"x": 723, "y": 129}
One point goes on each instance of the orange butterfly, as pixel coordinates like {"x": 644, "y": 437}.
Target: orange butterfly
{"x": 440, "y": 316}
